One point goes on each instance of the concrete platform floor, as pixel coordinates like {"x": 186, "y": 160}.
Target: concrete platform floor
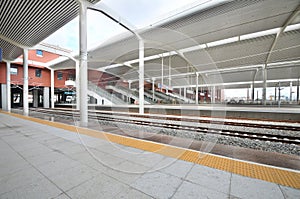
{"x": 39, "y": 161}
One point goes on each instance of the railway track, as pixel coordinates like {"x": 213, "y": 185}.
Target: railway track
{"x": 141, "y": 120}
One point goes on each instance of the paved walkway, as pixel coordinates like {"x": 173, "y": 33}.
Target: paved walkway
{"x": 39, "y": 161}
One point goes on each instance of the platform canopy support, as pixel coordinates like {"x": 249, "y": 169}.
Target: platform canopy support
{"x": 8, "y": 91}
{"x": 153, "y": 88}
{"x": 264, "y": 90}
{"x": 83, "y": 64}
{"x": 291, "y": 93}
{"x": 162, "y": 73}
{"x": 52, "y": 87}
{"x": 297, "y": 91}
{"x": 25, "y": 83}
{"x": 141, "y": 76}
{"x": 197, "y": 88}
{"x": 77, "y": 83}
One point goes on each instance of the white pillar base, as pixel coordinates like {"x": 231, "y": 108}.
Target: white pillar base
{"x": 4, "y": 97}
{"x": 46, "y": 101}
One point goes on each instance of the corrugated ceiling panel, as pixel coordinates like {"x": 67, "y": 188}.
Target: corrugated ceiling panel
{"x": 10, "y": 52}
{"x": 29, "y": 22}
{"x": 284, "y": 73}
{"x": 287, "y": 47}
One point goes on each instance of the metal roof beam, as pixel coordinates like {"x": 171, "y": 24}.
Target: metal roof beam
{"x": 287, "y": 22}
{"x": 233, "y": 69}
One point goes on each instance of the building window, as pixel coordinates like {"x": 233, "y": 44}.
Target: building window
{"x": 71, "y": 77}
{"x": 59, "y": 75}
{"x": 38, "y": 72}
{"x": 14, "y": 70}
{"x": 39, "y": 53}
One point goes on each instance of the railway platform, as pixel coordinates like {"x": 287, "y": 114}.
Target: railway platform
{"x": 45, "y": 159}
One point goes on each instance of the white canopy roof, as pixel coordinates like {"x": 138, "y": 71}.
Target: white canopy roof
{"x": 24, "y": 24}
{"x": 230, "y": 40}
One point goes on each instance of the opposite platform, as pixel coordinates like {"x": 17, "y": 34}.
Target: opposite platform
{"x": 42, "y": 159}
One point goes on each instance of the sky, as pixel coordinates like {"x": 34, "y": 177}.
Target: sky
{"x": 140, "y": 13}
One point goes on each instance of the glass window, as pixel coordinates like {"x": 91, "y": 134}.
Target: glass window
{"x": 14, "y": 70}
{"x": 59, "y": 75}
{"x": 38, "y": 72}
{"x": 39, "y": 53}
{"x": 71, "y": 77}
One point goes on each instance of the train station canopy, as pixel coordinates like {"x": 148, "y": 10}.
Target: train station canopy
{"x": 233, "y": 40}
{"x": 24, "y": 24}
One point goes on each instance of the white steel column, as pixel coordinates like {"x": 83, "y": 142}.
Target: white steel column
{"x": 25, "y": 83}
{"x": 46, "y": 97}
{"x": 184, "y": 93}
{"x": 170, "y": 78}
{"x": 297, "y": 98}
{"x": 162, "y": 73}
{"x": 3, "y": 93}
{"x": 141, "y": 76}
{"x": 253, "y": 85}
{"x": 213, "y": 94}
{"x": 264, "y": 90}
{"x": 83, "y": 64}
{"x": 252, "y": 92}
{"x": 197, "y": 89}
{"x": 291, "y": 92}
{"x": 279, "y": 94}
{"x": 77, "y": 83}
{"x": 153, "y": 88}
{"x": 52, "y": 88}
{"x": 8, "y": 92}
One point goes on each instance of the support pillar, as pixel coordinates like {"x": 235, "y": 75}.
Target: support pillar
{"x": 275, "y": 95}
{"x": 52, "y": 88}
{"x": 248, "y": 95}
{"x": 291, "y": 92}
{"x": 8, "y": 89}
{"x": 141, "y": 76}
{"x": 170, "y": 77}
{"x": 35, "y": 93}
{"x": 77, "y": 83}
{"x": 253, "y": 85}
{"x": 46, "y": 97}
{"x": 264, "y": 90}
{"x": 279, "y": 94}
{"x": 153, "y": 88}
{"x": 3, "y": 93}
{"x": 83, "y": 64}
{"x": 252, "y": 92}
{"x": 213, "y": 94}
{"x": 197, "y": 88}
{"x": 184, "y": 92}
{"x": 25, "y": 83}
{"x": 298, "y": 91}
{"x": 162, "y": 73}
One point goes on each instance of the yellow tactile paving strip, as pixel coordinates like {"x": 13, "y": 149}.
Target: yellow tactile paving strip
{"x": 266, "y": 173}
